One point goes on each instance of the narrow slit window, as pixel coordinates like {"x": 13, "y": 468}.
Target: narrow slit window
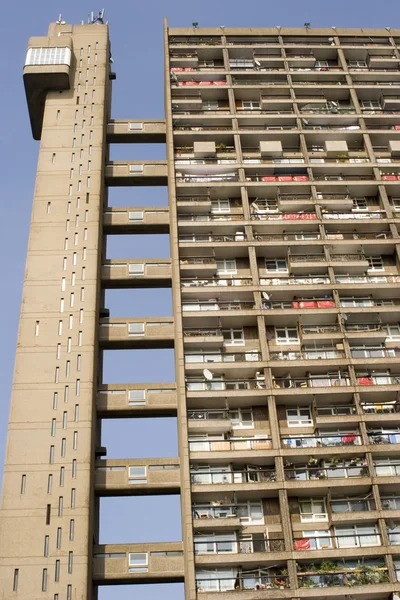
{"x": 23, "y": 484}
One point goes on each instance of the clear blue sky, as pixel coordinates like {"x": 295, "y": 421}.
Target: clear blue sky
{"x": 136, "y": 30}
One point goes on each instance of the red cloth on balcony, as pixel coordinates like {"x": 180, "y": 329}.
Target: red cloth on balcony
{"x": 308, "y": 304}
{"x": 365, "y": 381}
{"x": 219, "y": 82}
{"x": 300, "y": 177}
{"x": 389, "y": 177}
{"x": 302, "y": 544}
{"x": 285, "y": 177}
{"x": 325, "y": 304}
{"x": 269, "y": 178}
{"x": 349, "y": 439}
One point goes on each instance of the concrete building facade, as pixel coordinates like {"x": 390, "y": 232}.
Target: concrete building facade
{"x": 283, "y": 177}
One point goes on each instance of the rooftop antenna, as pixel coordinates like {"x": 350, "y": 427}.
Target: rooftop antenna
{"x": 195, "y": 24}
{"x": 307, "y": 25}
{"x": 60, "y": 20}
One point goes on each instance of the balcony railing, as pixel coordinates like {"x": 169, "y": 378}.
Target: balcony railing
{"x": 367, "y": 279}
{"x": 213, "y": 305}
{"x": 215, "y": 385}
{"x": 340, "y": 506}
{"x": 202, "y": 332}
{"x": 384, "y": 438}
{"x": 333, "y": 472}
{"x": 281, "y": 216}
{"x": 390, "y": 502}
{"x": 360, "y": 235}
{"x": 307, "y": 355}
{"x": 223, "y": 178}
{"x": 387, "y": 469}
{"x": 312, "y": 381}
{"x": 216, "y": 282}
{"x": 201, "y": 237}
{"x": 378, "y": 379}
{"x": 239, "y": 546}
{"x": 347, "y": 578}
{"x": 337, "y": 541}
{"x": 321, "y": 441}
{"x": 300, "y": 236}
{"x": 218, "y": 357}
{"x": 241, "y": 444}
{"x": 335, "y": 411}
{"x": 319, "y": 329}
{"x": 228, "y": 477}
{"x": 316, "y": 280}
{"x": 250, "y": 581}
{"x": 306, "y": 303}
{"x": 379, "y": 408}
{"x": 209, "y": 415}
{"x": 206, "y": 217}
{"x": 374, "y": 352}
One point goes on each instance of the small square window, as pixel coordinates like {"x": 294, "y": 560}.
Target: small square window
{"x": 135, "y": 215}
{"x": 136, "y": 270}
{"x": 135, "y": 126}
{"x": 136, "y": 329}
{"x": 137, "y": 397}
{"x": 138, "y": 562}
{"x": 135, "y": 168}
{"x": 138, "y": 471}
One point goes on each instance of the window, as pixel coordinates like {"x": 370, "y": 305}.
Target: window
{"x": 393, "y": 332}
{"x": 137, "y": 397}
{"x": 370, "y": 105}
{"x": 276, "y": 265}
{"x": 241, "y": 63}
{"x": 135, "y": 216}
{"x": 233, "y": 337}
{"x": 220, "y": 206}
{"x": 318, "y": 539}
{"x": 137, "y": 474}
{"x": 251, "y": 105}
{"x": 360, "y": 204}
{"x": 242, "y": 418}
{"x": 226, "y": 266}
{"x": 375, "y": 263}
{"x": 48, "y": 56}
{"x": 210, "y": 105}
{"x": 313, "y": 509}
{"x": 357, "y": 536}
{"x": 136, "y": 169}
{"x": 138, "y": 562}
{"x": 136, "y": 329}
{"x": 250, "y": 512}
{"x": 135, "y": 126}
{"x": 357, "y": 63}
{"x": 299, "y": 416}
{"x": 136, "y": 270}
{"x": 286, "y": 335}
{"x": 223, "y": 543}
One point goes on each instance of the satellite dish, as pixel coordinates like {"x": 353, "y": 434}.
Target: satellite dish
{"x": 345, "y": 317}
{"x": 266, "y": 296}
{"x": 257, "y": 63}
{"x": 208, "y": 375}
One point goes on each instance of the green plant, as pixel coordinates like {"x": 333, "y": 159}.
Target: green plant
{"x": 327, "y": 566}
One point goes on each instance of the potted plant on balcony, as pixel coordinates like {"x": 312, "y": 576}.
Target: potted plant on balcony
{"x": 312, "y": 461}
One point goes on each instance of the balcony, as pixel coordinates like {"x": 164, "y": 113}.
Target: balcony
{"x": 212, "y": 421}
{"x": 321, "y": 441}
{"x": 239, "y": 236}
{"x": 137, "y": 333}
{"x": 335, "y": 574}
{"x": 230, "y": 444}
{"x": 128, "y": 132}
{"x": 137, "y": 477}
{"x": 225, "y": 476}
{"x": 356, "y": 469}
{"x": 217, "y": 282}
{"x": 316, "y": 354}
{"x": 292, "y": 280}
{"x": 151, "y": 273}
{"x": 336, "y": 542}
{"x": 242, "y": 581}
{"x": 232, "y": 544}
{"x": 137, "y": 173}
{"x": 207, "y": 305}
{"x": 138, "y": 563}
{"x": 140, "y": 219}
{"x": 141, "y": 400}
{"x": 203, "y": 336}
